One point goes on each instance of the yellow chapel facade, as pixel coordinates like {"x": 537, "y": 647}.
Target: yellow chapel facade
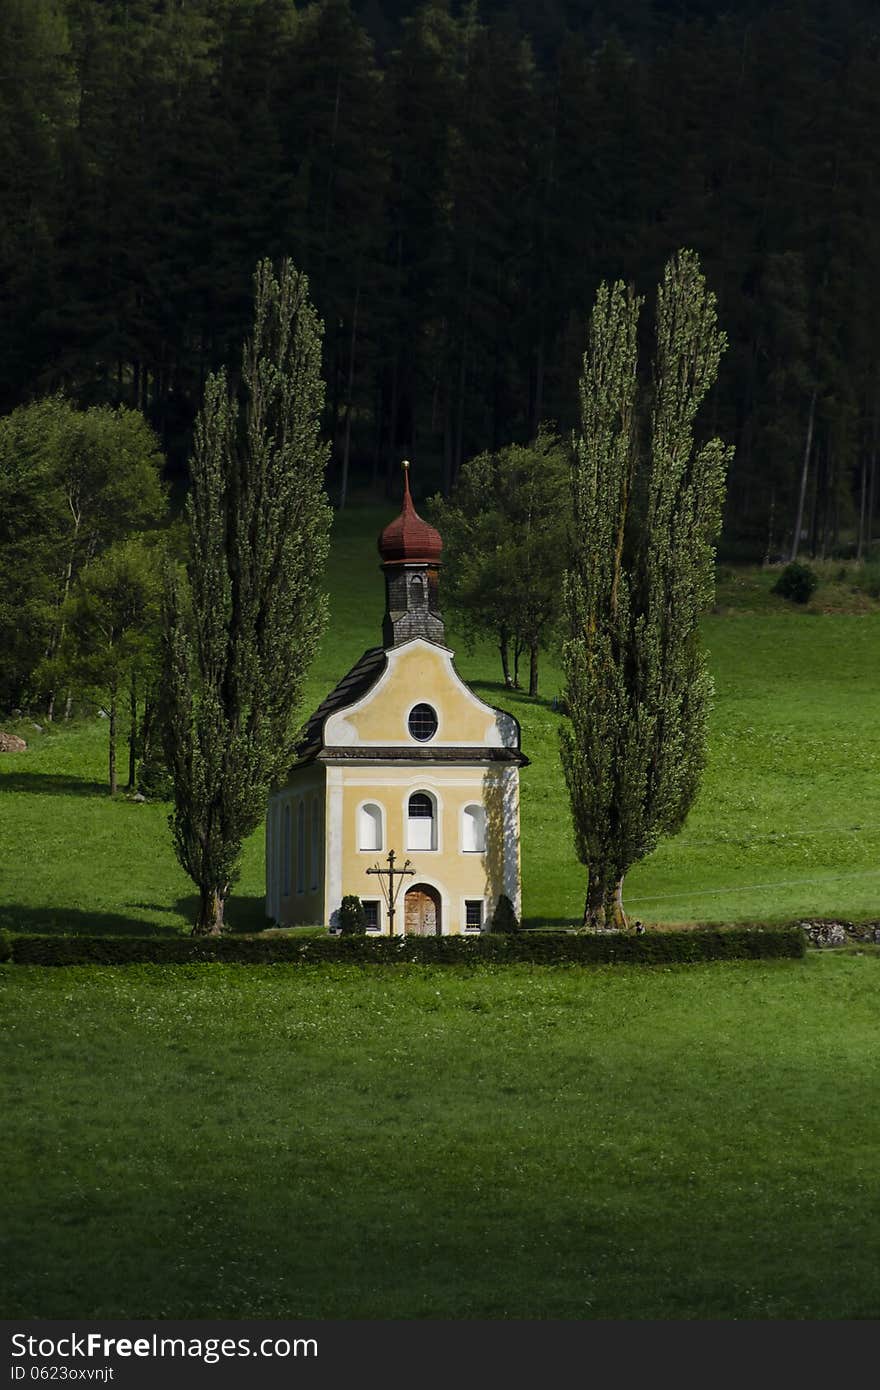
{"x": 401, "y": 756}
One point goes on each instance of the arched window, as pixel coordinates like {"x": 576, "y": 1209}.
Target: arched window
{"x": 301, "y": 848}
{"x": 286, "y": 851}
{"x": 316, "y": 839}
{"x": 369, "y": 826}
{"x": 421, "y": 822}
{"x": 416, "y": 592}
{"x": 473, "y": 829}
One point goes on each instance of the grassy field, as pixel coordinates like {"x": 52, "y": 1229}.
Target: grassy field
{"x": 695, "y": 1142}
{"x": 787, "y": 823}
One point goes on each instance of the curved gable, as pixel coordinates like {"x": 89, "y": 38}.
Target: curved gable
{"x": 420, "y": 672}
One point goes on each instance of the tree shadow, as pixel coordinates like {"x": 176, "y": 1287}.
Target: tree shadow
{"x": 73, "y": 921}
{"x": 500, "y": 798}
{"x": 491, "y": 688}
{"x": 244, "y": 914}
{"x": 52, "y": 784}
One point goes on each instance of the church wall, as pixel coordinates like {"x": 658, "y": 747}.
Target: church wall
{"x": 458, "y": 874}
{"x": 296, "y": 851}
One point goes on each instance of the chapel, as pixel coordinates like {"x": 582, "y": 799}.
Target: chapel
{"x": 401, "y": 756}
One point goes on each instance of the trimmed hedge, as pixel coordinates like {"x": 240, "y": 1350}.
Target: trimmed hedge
{"x": 537, "y": 948}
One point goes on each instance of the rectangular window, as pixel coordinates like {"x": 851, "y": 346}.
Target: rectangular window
{"x": 371, "y": 912}
{"x": 316, "y": 840}
{"x": 286, "y": 852}
{"x": 473, "y": 914}
{"x": 301, "y": 848}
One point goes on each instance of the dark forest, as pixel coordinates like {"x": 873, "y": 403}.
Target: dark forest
{"x": 456, "y": 181}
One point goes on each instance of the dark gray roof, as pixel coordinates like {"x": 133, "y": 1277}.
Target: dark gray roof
{"x": 361, "y": 678}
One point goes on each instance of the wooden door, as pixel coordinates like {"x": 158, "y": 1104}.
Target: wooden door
{"x": 422, "y": 911}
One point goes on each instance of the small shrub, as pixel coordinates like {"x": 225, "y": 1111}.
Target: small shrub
{"x": 867, "y": 579}
{"x": 504, "y": 917}
{"x": 352, "y": 918}
{"x": 797, "y": 583}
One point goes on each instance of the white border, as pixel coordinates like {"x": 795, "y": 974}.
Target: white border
{"x": 423, "y": 742}
{"x": 334, "y": 840}
{"x": 382, "y": 826}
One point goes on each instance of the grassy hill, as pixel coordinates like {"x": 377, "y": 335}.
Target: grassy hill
{"x": 787, "y": 822}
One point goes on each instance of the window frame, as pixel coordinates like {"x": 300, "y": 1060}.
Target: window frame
{"x": 377, "y": 903}
{"x": 421, "y": 742}
{"x": 474, "y": 902}
{"x": 435, "y": 821}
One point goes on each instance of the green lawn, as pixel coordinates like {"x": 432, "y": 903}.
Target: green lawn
{"x": 787, "y": 823}
{"x": 694, "y": 1142}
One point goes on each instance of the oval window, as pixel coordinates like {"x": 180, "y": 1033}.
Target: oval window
{"x": 422, "y": 722}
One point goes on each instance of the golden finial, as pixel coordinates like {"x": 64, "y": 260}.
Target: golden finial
{"x": 405, "y": 463}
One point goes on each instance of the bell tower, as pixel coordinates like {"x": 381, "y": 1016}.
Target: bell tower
{"x": 411, "y": 551}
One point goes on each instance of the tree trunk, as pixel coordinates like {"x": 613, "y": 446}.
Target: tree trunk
{"x": 594, "y": 906}
{"x": 616, "y": 915}
{"x": 533, "y": 669}
{"x": 504, "y": 649}
{"x": 517, "y": 653}
{"x": 863, "y": 501}
{"x": 814, "y": 509}
{"x": 58, "y": 636}
{"x": 830, "y": 483}
{"x": 212, "y": 901}
{"x": 113, "y": 742}
{"x": 132, "y": 732}
{"x": 768, "y": 553}
{"x": 805, "y": 468}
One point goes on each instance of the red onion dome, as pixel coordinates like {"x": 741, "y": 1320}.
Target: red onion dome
{"x": 407, "y": 539}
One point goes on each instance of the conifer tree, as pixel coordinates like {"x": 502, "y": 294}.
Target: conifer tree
{"x": 241, "y": 631}
{"x": 637, "y": 685}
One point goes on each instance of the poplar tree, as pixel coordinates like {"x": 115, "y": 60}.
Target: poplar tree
{"x": 645, "y": 517}
{"x": 242, "y": 625}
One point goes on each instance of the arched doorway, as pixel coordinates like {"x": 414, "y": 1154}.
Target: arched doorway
{"x": 422, "y": 911}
